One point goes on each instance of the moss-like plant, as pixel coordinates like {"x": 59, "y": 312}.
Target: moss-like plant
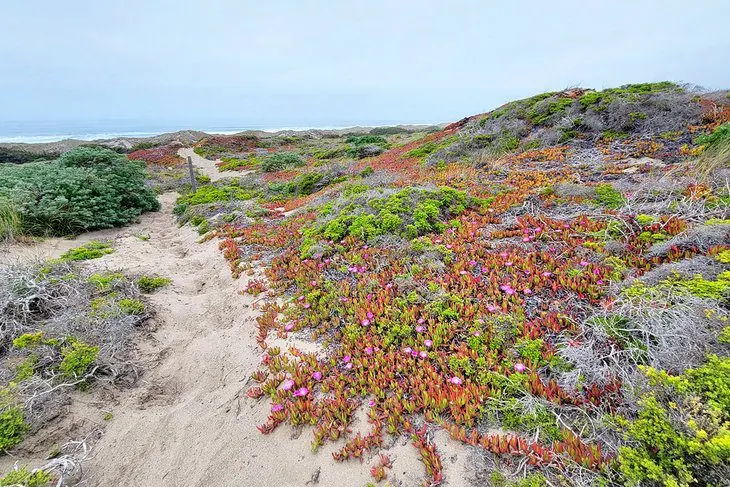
{"x": 131, "y": 306}
{"x": 150, "y": 284}
{"x": 91, "y": 250}
{"x": 78, "y": 357}
{"x": 12, "y": 427}
{"x": 26, "y": 478}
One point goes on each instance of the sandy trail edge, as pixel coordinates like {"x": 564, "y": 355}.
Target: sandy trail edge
{"x": 188, "y": 422}
{"x": 208, "y": 167}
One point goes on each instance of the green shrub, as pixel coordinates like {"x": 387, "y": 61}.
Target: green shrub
{"x": 85, "y": 189}
{"x": 211, "y": 194}
{"x": 718, "y": 136}
{"x": 10, "y": 222}
{"x": 150, "y": 284}
{"x": 407, "y": 213}
{"x": 367, "y": 140}
{"x": 131, "y": 306}
{"x": 77, "y": 358}
{"x": 389, "y": 131}
{"x": 26, "y": 478}
{"x": 103, "y": 280}
{"x": 281, "y": 160}
{"x": 12, "y": 427}
{"x": 609, "y": 197}
{"x": 91, "y": 250}
{"x": 681, "y": 433}
{"x": 28, "y": 340}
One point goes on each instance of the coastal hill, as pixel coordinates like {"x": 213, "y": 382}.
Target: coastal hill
{"x": 533, "y": 296}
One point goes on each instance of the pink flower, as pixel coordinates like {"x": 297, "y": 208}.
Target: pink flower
{"x": 346, "y": 358}
{"x": 507, "y": 289}
{"x": 527, "y": 290}
{"x": 491, "y": 308}
{"x": 317, "y": 375}
{"x": 526, "y": 239}
{"x": 420, "y": 329}
{"x": 448, "y": 246}
{"x": 423, "y": 354}
{"x": 301, "y": 392}
{"x": 504, "y": 255}
{"x": 508, "y": 264}
{"x": 370, "y": 315}
{"x": 520, "y": 367}
{"x": 275, "y": 408}
{"x": 456, "y": 381}
{"x": 313, "y": 283}
{"x": 365, "y": 322}
{"x": 369, "y": 350}
{"x": 348, "y": 365}
{"x": 371, "y": 403}
{"x": 477, "y": 333}
{"x": 300, "y": 298}
{"x": 463, "y": 273}
{"x": 414, "y": 353}
{"x": 428, "y": 343}
{"x": 306, "y": 305}
{"x": 287, "y": 384}
{"x": 472, "y": 262}
{"x": 585, "y": 263}
{"x": 600, "y": 282}
{"x": 421, "y": 321}
{"x": 538, "y": 229}
{"x": 407, "y": 350}
{"x": 369, "y": 297}
{"x": 389, "y": 286}
{"x": 547, "y": 274}
{"x": 289, "y": 326}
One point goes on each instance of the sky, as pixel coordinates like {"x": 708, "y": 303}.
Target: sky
{"x": 335, "y": 63}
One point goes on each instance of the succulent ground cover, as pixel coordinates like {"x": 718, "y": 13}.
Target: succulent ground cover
{"x": 547, "y": 282}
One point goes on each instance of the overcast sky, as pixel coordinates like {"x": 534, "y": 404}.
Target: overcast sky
{"x": 337, "y": 62}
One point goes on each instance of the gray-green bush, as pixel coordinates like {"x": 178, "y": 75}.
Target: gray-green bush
{"x": 85, "y": 189}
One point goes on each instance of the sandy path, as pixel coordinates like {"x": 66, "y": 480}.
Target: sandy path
{"x": 189, "y": 422}
{"x": 208, "y": 167}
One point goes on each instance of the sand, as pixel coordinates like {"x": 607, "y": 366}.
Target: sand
{"x": 188, "y": 421}
{"x": 208, "y": 167}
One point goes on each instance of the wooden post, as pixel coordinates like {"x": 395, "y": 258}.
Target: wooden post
{"x": 193, "y": 182}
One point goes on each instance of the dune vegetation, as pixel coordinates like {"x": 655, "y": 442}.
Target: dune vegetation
{"x": 548, "y": 283}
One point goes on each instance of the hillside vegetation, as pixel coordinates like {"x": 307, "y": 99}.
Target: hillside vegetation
{"x": 85, "y": 189}
{"x": 548, "y": 282}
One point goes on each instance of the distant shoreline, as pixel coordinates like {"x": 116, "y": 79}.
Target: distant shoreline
{"x": 55, "y": 144}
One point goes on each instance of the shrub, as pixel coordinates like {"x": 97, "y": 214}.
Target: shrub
{"x": 609, "y": 197}
{"x": 103, "y": 281}
{"x": 719, "y": 135}
{"x": 150, "y": 284}
{"x": 680, "y": 436}
{"x": 211, "y": 194}
{"x": 367, "y": 140}
{"x": 10, "y": 223}
{"x": 77, "y": 358}
{"x": 28, "y": 340}
{"x": 281, "y": 160}
{"x": 91, "y": 250}
{"x": 85, "y": 189}
{"x": 131, "y": 306}
{"x": 12, "y": 427}
{"x": 389, "y": 131}
{"x": 25, "y": 478}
